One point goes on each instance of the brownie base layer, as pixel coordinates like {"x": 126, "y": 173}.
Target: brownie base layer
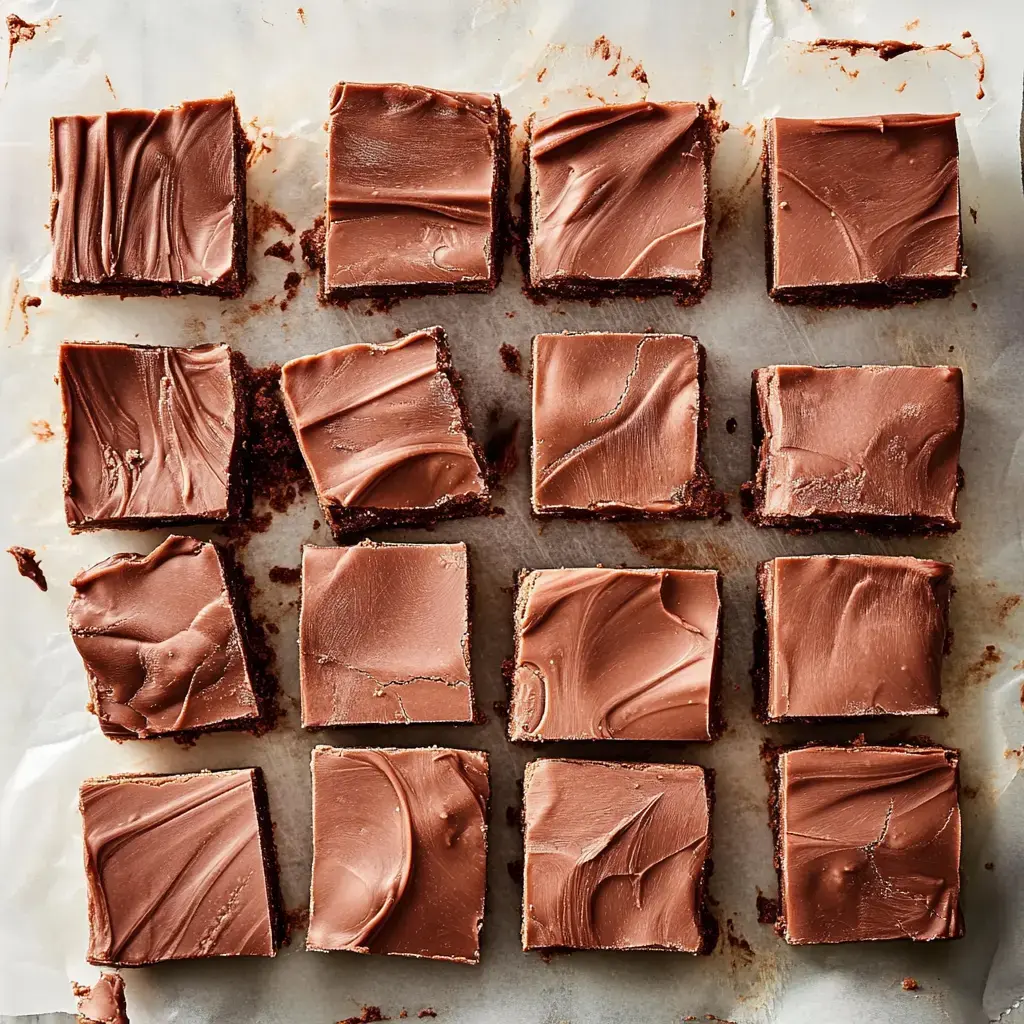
{"x": 687, "y": 291}
{"x": 752, "y": 502}
{"x": 865, "y": 295}
{"x": 230, "y": 286}
{"x": 339, "y": 296}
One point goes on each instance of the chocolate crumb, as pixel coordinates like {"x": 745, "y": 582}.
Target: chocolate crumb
{"x": 282, "y": 250}
{"x": 426, "y": 1012}
{"x": 512, "y": 359}
{"x": 989, "y": 865}
{"x": 767, "y": 910}
{"x": 312, "y": 241}
{"x": 910, "y": 985}
{"x": 291, "y": 288}
{"x": 28, "y": 565}
{"x": 285, "y": 574}
{"x": 974, "y": 213}
{"x": 731, "y": 425}
{"x": 368, "y": 1015}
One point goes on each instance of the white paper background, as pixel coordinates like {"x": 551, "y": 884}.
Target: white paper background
{"x": 755, "y": 63}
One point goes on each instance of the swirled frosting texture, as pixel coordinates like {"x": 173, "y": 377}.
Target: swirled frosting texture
{"x": 864, "y": 199}
{"x": 854, "y": 634}
{"x": 384, "y": 635}
{"x": 869, "y": 842}
{"x": 103, "y": 1003}
{"x": 175, "y": 868}
{"x": 149, "y": 433}
{"x": 161, "y": 643}
{"x": 619, "y": 192}
{"x": 399, "y": 851}
{"x": 411, "y": 181}
{"x": 616, "y": 423}
{"x": 147, "y": 197}
{"x": 615, "y": 654}
{"x": 380, "y": 425}
{"x": 860, "y": 441}
{"x": 615, "y": 855}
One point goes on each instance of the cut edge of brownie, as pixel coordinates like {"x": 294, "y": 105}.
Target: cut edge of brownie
{"x": 230, "y": 286}
{"x": 265, "y": 837}
{"x": 698, "y": 498}
{"x": 952, "y": 755}
{"x": 707, "y": 926}
{"x": 347, "y": 521}
{"x": 867, "y": 294}
{"x": 752, "y": 496}
{"x": 686, "y": 290}
{"x": 340, "y": 295}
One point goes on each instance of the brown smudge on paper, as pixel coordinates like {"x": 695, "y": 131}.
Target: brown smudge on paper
{"x": 367, "y": 1015}
{"x": 264, "y": 218}
{"x": 28, "y": 565}
{"x": 660, "y": 545}
{"x": 885, "y": 49}
{"x": 42, "y": 431}
{"x": 974, "y": 213}
{"x": 301, "y": 15}
{"x": 729, "y": 204}
{"x": 259, "y": 142}
{"x": 294, "y": 920}
{"x": 21, "y": 31}
{"x": 912, "y": 24}
{"x": 740, "y": 951}
{"x": 901, "y": 86}
{"x": 541, "y": 74}
{"x": 604, "y": 49}
{"x": 1007, "y": 606}
{"x": 110, "y": 86}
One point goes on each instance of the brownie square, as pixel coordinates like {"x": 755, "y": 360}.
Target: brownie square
{"x": 103, "y": 1002}
{"x": 617, "y": 201}
{"x": 384, "y": 434}
{"x": 417, "y": 185}
{"x": 868, "y": 844}
{"x": 618, "y": 427}
{"x": 399, "y": 852}
{"x": 848, "y": 635}
{"x": 149, "y": 202}
{"x": 617, "y": 856}
{"x": 384, "y": 635}
{"x": 164, "y": 642}
{"x": 629, "y": 654}
{"x": 179, "y": 867}
{"x": 868, "y": 448}
{"x": 153, "y": 436}
{"x": 862, "y": 210}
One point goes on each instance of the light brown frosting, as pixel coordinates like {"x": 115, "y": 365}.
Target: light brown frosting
{"x": 864, "y": 199}
{"x": 384, "y": 635}
{"x": 615, "y": 855}
{"x": 869, "y": 842}
{"x": 615, "y": 654}
{"x": 399, "y": 851}
{"x": 616, "y": 420}
{"x": 860, "y": 441}
{"x": 619, "y": 192}
{"x": 103, "y": 1003}
{"x": 175, "y": 868}
{"x": 380, "y": 425}
{"x": 854, "y": 634}
{"x": 411, "y": 174}
{"x": 150, "y": 432}
{"x": 146, "y": 196}
{"x": 160, "y": 642}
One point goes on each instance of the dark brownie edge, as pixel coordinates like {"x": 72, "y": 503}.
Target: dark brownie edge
{"x": 271, "y": 865}
{"x": 762, "y": 655}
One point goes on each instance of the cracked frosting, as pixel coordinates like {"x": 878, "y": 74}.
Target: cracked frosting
{"x": 615, "y": 654}
{"x": 616, "y": 855}
{"x": 175, "y": 868}
{"x": 384, "y": 635}
{"x": 380, "y": 425}
{"x": 854, "y": 634}
{"x": 619, "y": 192}
{"x": 864, "y": 199}
{"x": 103, "y": 1003}
{"x": 399, "y": 851}
{"x": 869, "y": 843}
{"x": 411, "y": 187}
{"x": 616, "y": 423}
{"x": 859, "y": 441}
{"x": 150, "y": 433}
{"x": 147, "y": 197}
{"x": 160, "y": 642}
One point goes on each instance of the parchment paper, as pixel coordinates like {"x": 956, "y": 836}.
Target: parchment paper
{"x": 539, "y": 54}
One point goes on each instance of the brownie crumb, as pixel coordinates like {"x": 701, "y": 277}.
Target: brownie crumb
{"x": 312, "y": 242}
{"x": 291, "y": 288}
{"x": 767, "y": 910}
{"x": 282, "y": 250}
{"x": 512, "y": 359}
{"x": 731, "y": 425}
{"x": 285, "y": 574}
{"x": 910, "y": 985}
{"x": 368, "y": 1015}
{"x": 316, "y": 524}
{"x": 427, "y": 1011}
{"x": 989, "y": 865}
{"x": 294, "y": 920}
{"x": 28, "y": 565}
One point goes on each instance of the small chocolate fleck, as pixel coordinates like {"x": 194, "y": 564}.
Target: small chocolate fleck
{"x": 285, "y": 574}
{"x": 731, "y": 425}
{"x": 282, "y": 250}
{"x": 512, "y": 359}
{"x": 28, "y": 565}
{"x": 910, "y": 985}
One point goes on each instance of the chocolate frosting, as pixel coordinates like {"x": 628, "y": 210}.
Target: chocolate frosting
{"x": 150, "y": 433}
{"x": 869, "y": 842}
{"x": 146, "y": 196}
{"x": 615, "y": 654}
{"x": 175, "y": 868}
{"x": 411, "y": 176}
{"x": 399, "y": 851}
{"x": 380, "y": 425}
{"x": 616, "y": 422}
{"x": 104, "y": 1002}
{"x": 855, "y": 634}
{"x": 860, "y": 441}
{"x": 384, "y": 635}
{"x": 615, "y": 855}
{"x": 160, "y": 642}
{"x": 864, "y": 199}
{"x": 619, "y": 192}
